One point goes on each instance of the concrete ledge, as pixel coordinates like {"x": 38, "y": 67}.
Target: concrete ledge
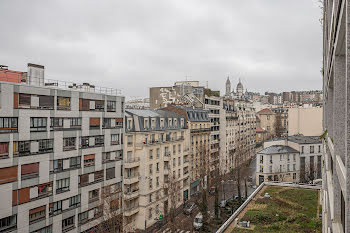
{"x": 341, "y": 173}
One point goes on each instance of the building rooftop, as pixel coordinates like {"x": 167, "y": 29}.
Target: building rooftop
{"x": 265, "y": 111}
{"x": 300, "y": 139}
{"x": 278, "y": 149}
{"x": 151, "y": 113}
{"x": 286, "y": 208}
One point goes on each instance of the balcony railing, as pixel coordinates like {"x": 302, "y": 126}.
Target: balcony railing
{"x": 200, "y": 130}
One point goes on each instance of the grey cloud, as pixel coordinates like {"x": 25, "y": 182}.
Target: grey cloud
{"x": 132, "y": 45}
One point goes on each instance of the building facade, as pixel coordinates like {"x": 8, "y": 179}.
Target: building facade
{"x": 267, "y": 121}
{"x": 61, "y": 157}
{"x": 335, "y": 133}
{"x": 306, "y": 121}
{"x": 310, "y": 153}
{"x": 156, "y": 166}
{"x": 237, "y": 127}
{"x": 277, "y": 163}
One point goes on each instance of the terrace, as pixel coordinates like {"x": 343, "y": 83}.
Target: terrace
{"x": 290, "y": 208}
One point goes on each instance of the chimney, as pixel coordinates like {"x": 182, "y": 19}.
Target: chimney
{"x": 35, "y": 75}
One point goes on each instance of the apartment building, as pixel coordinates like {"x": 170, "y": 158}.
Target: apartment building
{"x": 267, "y": 121}
{"x": 237, "y": 127}
{"x": 305, "y": 120}
{"x": 336, "y": 160}
{"x": 277, "y": 163}
{"x": 199, "y": 140}
{"x": 310, "y": 152}
{"x": 156, "y": 166}
{"x": 212, "y": 103}
{"x": 61, "y": 156}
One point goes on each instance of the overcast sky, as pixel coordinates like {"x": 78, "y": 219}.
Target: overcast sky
{"x": 272, "y": 45}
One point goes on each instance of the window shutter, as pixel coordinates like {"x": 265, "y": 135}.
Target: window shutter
{"x": 15, "y": 100}
{"x": 23, "y": 195}
{"x": 8, "y": 174}
{"x": 94, "y": 121}
{"x": 29, "y": 168}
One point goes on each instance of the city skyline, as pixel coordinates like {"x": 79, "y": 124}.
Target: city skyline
{"x": 198, "y": 41}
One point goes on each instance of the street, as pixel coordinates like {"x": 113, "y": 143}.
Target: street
{"x": 184, "y": 223}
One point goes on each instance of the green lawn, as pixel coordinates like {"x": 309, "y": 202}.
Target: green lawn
{"x": 288, "y": 210}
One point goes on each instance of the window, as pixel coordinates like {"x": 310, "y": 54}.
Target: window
{"x": 47, "y": 229}
{"x": 294, "y": 176}
{"x": 261, "y": 168}
{"x": 281, "y": 157}
{"x": 29, "y": 171}
{"x": 107, "y": 123}
{"x": 157, "y": 167}
{"x": 4, "y": 149}
{"x": 93, "y": 195}
{"x": 302, "y": 149}
{"x": 150, "y": 169}
{"x": 84, "y": 179}
{"x": 89, "y": 160}
{"x": 280, "y": 168}
{"x": 261, "y": 159}
{"x": 146, "y": 123}
{"x": 111, "y": 106}
{"x": 8, "y": 124}
{"x": 24, "y": 100}
{"x": 56, "y": 207}
{"x": 63, "y": 103}
{"x": 119, "y": 122}
{"x": 62, "y": 185}
{"x": 150, "y": 198}
{"x": 161, "y": 123}
{"x": 174, "y": 149}
{"x": 75, "y": 162}
{"x": 83, "y": 217}
{"x": 99, "y": 105}
{"x": 74, "y": 201}
{"x": 179, "y": 148}
{"x": 268, "y": 117}
{"x": 158, "y": 153}
{"x": 94, "y": 122}
{"x": 294, "y": 157}
{"x": 69, "y": 143}
{"x": 319, "y": 149}
{"x": 8, "y": 222}
{"x": 110, "y": 173}
{"x": 84, "y": 142}
{"x": 312, "y": 149}
{"x": 45, "y": 102}
{"x": 56, "y": 122}
{"x": 46, "y": 145}
{"x": 99, "y": 140}
{"x": 157, "y": 181}
{"x": 288, "y": 169}
{"x": 44, "y": 189}
{"x": 75, "y": 122}
{"x": 288, "y": 158}
{"x": 150, "y": 213}
{"x": 68, "y": 223}
{"x": 37, "y": 214}
{"x": 293, "y": 167}
{"x": 38, "y": 124}
{"x": 58, "y": 165}
{"x": 150, "y": 183}
{"x": 270, "y": 169}
{"x": 129, "y": 138}
{"x": 114, "y": 139}
{"x": 153, "y": 123}
{"x": 150, "y": 154}
{"x": 174, "y": 162}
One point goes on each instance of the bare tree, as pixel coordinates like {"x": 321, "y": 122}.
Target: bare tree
{"x": 110, "y": 211}
{"x": 279, "y": 130}
{"x": 172, "y": 190}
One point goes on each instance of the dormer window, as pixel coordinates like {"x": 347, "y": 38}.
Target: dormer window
{"x": 129, "y": 124}
{"x": 170, "y": 123}
{"x": 182, "y": 122}
{"x": 175, "y": 122}
{"x": 153, "y": 123}
{"x": 146, "y": 123}
{"x": 162, "y": 123}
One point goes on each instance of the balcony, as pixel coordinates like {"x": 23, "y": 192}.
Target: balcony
{"x": 131, "y": 210}
{"x": 131, "y": 194}
{"x": 130, "y": 163}
{"x": 131, "y": 179}
{"x": 202, "y": 130}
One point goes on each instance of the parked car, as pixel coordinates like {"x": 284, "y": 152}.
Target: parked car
{"x": 198, "y": 221}
{"x": 212, "y": 190}
{"x": 189, "y": 207}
